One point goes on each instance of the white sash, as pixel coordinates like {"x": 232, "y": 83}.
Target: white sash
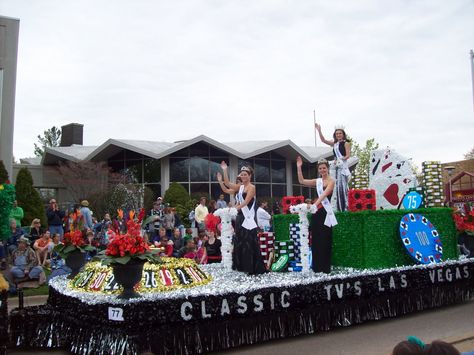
{"x": 341, "y": 163}
{"x": 330, "y": 220}
{"x": 249, "y": 214}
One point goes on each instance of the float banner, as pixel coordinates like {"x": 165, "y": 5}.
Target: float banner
{"x": 197, "y": 324}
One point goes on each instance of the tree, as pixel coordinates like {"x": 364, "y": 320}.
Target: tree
{"x": 363, "y": 153}
{"x": 51, "y": 138}
{"x": 29, "y": 198}
{"x": 176, "y": 195}
{"x": 470, "y": 154}
{"x": 3, "y": 173}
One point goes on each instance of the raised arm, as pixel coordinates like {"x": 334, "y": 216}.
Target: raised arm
{"x": 327, "y": 191}
{"x": 231, "y": 185}
{"x": 224, "y": 188}
{"x": 324, "y": 140}
{"x": 301, "y": 179}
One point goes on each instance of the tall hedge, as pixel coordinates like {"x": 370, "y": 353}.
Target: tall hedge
{"x": 176, "y": 195}
{"x": 29, "y": 198}
{"x": 7, "y": 196}
{"x": 3, "y": 173}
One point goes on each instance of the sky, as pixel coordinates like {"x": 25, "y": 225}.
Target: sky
{"x": 398, "y": 71}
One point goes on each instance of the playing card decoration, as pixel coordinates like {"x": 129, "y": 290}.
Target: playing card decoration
{"x": 421, "y": 239}
{"x": 390, "y": 176}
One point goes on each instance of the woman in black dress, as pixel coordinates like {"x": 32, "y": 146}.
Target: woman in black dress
{"x": 246, "y": 255}
{"x": 323, "y": 220}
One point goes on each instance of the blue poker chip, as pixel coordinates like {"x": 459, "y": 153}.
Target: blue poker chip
{"x": 421, "y": 239}
{"x": 412, "y": 200}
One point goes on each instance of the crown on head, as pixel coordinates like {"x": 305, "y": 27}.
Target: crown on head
{"x": 339, "y": 126}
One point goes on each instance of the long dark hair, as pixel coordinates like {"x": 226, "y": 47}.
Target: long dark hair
{"x": 343, "y": 132}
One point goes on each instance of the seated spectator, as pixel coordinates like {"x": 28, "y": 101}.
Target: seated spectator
{"x": 24, "y": 261}
{"x": 15, "y": 234}
{"x": 414, "y": 346}
{"x": 35, "y": 230}
{"x": 157, "y": 238}
{"x": 165, "y": 245}
{"x": 178, "y": 241}
{"x": 189, "y": 250}
{"x": 188, "y": 235}
{"x": 168, "y": 221}
{"x": 41, "y": 247}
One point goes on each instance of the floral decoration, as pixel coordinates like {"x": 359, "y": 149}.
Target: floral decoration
{"x": 464, "y": 222}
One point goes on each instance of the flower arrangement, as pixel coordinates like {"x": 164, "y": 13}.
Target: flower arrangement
{"x": 464, "y": 222}
{"x": 72, "y": 241}
{"x": 123, "y": 248}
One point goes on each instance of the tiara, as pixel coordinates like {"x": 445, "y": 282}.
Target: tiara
{"x": 245, "y": 168}
{"x": 322, "y": 161}
{"x": 339, "y": 126}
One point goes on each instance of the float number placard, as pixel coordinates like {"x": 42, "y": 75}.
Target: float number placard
{"x": 412, "y": 200}
{"x": 116, "y": 314}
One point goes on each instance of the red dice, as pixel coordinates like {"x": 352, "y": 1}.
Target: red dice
{"x": 361, "y": 200}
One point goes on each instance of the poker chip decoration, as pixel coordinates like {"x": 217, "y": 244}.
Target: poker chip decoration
{"x": 421, "y": 239}
{"x": 433, "y": 183}
{"x": 284, "y": 247}
{"x": 361, "y": 200}
{"x": 294, "y": 230}
{"x": 266, "y": 241}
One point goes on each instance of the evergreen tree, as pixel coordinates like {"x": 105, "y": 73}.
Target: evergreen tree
{"x": 3, "y": 173}
{"x": 29, "y": 198}
{"x": 176, "y": 195}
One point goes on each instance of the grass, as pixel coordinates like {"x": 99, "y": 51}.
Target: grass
{"x": 42, "y": 290}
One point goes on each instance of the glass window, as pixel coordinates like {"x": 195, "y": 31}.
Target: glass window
{"x": 119, "y": 156}
{"x": 296, "y": 190}
{"x": 179, "y": 169}
{"x": 156, "y": 190}
{"x": 199, "y": 169}
{"x": 215, "y": 152}
{"x": 117, "y": 166}
{"x": 276, "y": 156}
{"x": 133, "y": 171}
{"x": 152, "y": 170}
{"x": 262, "y": 170}
{"x": 199, "y": 149}
{"x": 278, "y": 171}
{"x": 131, "y": 155}
{"x": 183, "y": 153}
{"x": 263, "y": 191}
{"x": 215, "y": 165}
{"x": 278, "y": 190}
{"x": 199, "y": 190}
{"x": 216, "y": 192}
{"x": 266, "y": 155}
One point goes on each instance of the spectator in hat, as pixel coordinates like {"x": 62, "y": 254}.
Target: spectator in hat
{"x": 24, "y": 261}
{"x": 86, "y": 215}
{"x": 55, "y": 218}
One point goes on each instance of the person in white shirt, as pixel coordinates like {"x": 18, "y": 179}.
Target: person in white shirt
{"x": 200, "y": 213}
{"x": 263, "y": 217}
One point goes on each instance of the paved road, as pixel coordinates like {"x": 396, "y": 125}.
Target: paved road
{"x": 454, "y": 324}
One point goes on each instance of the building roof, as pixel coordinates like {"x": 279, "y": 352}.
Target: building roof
{"x": 158, "y": 150}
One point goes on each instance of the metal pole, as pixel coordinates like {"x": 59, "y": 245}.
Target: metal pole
{"x": 472, "y": 74}
{"x": 314, "y": 128}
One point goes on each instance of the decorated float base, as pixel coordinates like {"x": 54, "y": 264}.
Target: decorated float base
{"x": 235, "y": 309}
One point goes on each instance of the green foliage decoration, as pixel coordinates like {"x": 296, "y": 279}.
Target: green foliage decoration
{"x": 7, "y": 196}
{"x": 29, "y": 198}
{"x": 370, "y": 239}
{"x": 3, "y": 173}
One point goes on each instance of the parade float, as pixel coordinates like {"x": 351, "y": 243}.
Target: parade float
{"x": 391, "y": 256}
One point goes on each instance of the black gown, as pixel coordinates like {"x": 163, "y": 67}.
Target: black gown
{"x": 246, "y": 255}
{"x": 321, "y": 245}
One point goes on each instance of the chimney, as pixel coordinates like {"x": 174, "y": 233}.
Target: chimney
{"x": 71, "y": 134}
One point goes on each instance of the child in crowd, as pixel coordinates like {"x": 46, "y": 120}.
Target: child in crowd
{"x": 165, "y": 245}
{"x": 178, "y": 241}
{"x": 41, "y": 247}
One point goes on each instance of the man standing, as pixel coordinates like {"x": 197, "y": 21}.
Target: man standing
{"x": 221, "y": 203}
{"x": 55, "y": 218}
{"x": 17, "y": 213}
{"x": 200, "y": 213}
{"x": 86, "y": 215}
{"x": 157, "y": 212}
{"x": 263, "y": 217}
